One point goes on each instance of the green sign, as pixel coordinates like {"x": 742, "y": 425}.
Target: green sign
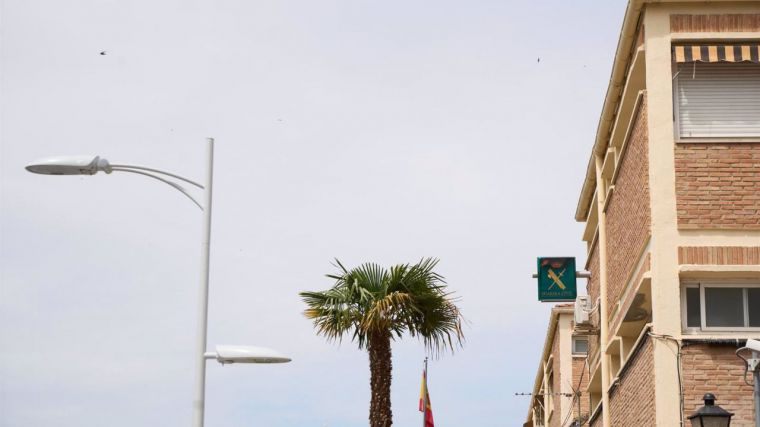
{"x": 556, "y": 279}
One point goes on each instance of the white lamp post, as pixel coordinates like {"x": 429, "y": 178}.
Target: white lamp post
{"x": 90, "y": 165}
{"x": 752, "y": 363}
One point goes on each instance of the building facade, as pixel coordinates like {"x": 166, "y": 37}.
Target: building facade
{"x": 671, "y": 203}
{"x": 557, "y": 398}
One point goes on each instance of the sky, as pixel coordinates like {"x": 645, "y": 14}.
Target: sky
{"x": 363, "y": 130}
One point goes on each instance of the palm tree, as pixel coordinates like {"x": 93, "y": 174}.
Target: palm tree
{"x": 376, "y": 306}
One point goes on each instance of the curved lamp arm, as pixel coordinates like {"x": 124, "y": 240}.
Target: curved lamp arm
{"x": 165, "y": 181}
{"x": 143, "y": 168}
{"x": 90, "y": 165}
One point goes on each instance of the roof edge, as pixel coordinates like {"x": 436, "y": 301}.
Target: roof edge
{"x": 616, "y": 84}
{"x": 550, "y": 332}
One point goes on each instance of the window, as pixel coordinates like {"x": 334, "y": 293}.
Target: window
{"x": 722, "y": 306}
{"x": 580, "y": 346}
{"x": 538, "y": 415}
{"x": 717, "y": 100}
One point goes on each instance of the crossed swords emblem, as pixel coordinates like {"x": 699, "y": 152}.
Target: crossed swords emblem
{"x": 556, "y": 278}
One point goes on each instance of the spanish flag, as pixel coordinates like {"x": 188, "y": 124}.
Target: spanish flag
{"x": 425, "y": 400}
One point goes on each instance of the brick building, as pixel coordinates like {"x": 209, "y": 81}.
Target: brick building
{"x": 562, "y": 378}
{"x": 671, "y": 203}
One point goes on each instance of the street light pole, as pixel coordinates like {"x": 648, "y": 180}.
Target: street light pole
{"x": 756, "y": 381}
{"x": 90, "y": 165}
{"x": 199, "y": 403}
{"x": 752, "y": 365}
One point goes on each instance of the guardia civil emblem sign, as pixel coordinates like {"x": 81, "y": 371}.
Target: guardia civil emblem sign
{"x": 556, "y": 279}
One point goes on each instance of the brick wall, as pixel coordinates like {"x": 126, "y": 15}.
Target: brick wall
{"x": 714, "y": 23}
{"x": 629, "y": 297}
{"x": 718, "y": 185}
{"x": 632, "y": 402}
{"x": 640, "y": 36}
{"x": 709, "y": 368}
{"x": 580, "y": 382}
{"x": 592, "y": 289}
{"x": 628, "y": 212}
{"x": 719, "y": 255}
{"x": 557, "y": 384}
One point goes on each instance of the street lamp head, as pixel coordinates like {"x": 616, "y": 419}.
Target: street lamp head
{"x": 248, "y": 354}
{"x": 753, "y": 345}
{"x": 69, "y": 165}
{"x": 711, "y": 415}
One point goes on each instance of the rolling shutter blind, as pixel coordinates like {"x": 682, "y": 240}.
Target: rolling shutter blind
{"x": 718, "y": 100}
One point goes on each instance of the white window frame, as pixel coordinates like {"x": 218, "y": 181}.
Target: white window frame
{"x": 702, "y": 310}
{"x": 677, "y": 122}
{"x": 574, "y": 351}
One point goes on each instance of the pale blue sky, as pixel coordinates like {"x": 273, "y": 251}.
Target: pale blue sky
{"x": 364, "y": 130}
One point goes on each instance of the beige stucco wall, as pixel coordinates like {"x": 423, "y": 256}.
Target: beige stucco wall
{"x": 672, "y": 171}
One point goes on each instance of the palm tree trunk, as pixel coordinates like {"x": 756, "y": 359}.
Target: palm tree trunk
{"x": 380, "y": 367}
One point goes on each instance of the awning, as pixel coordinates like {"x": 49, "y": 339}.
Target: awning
{"x": 717, "y": 53}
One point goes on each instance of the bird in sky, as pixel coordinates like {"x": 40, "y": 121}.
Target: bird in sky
{"x": 103, "y": 52}
{"x": 539, "y": 59}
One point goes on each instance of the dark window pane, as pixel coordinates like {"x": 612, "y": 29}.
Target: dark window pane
{"x": 693, "y": 314}
{"x": 581, "y": 346}
{"x": 753, "y": 303}
{"x": 724, "y": 307}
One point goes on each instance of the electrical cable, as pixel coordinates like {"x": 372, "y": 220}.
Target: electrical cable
{"x": 744, "y": 377}
{"x": 746, "y": 367}
{"x": 666, "y": 337}
{"x": 576, "y": 396}
{"x": 580, "y": 381}
{"x": 570, "y": 412}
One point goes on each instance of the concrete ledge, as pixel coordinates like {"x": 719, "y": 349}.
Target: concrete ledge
{"x": 711, "y": 271}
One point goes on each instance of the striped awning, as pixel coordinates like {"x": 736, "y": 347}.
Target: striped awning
{"x": 717, "y": 53}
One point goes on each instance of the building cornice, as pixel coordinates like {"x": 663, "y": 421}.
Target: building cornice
{"x": 614, "y": 90}
{"x": 551, "y": 330}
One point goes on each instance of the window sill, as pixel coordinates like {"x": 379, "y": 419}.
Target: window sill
{"x": 608, "y": 198}
{"x": 643, "y": 335}
{"x": 704, "y": 140}
{"x": 696, "y": 335}
{"x": 595, "y": 413}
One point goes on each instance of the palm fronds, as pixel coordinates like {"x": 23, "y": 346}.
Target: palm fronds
{"x": 403, "y": 299}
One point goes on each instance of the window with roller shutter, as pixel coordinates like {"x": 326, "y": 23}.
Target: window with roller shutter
{"x": 717, "y": 94}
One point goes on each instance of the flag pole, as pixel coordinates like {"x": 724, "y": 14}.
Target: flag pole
{"x": 425, "y": 397}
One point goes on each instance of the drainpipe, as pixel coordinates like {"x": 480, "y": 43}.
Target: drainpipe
{"x": 603, "y": 309}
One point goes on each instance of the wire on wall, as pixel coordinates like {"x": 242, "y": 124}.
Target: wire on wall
{"x": 679, "y": 346}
